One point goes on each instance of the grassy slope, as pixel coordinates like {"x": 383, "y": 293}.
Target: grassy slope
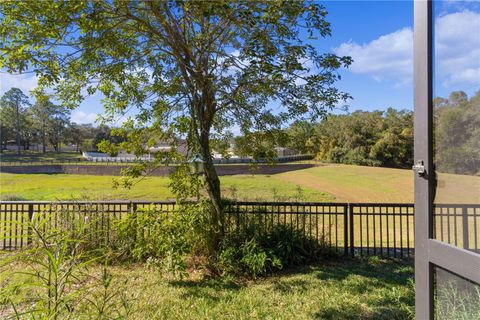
{"x": 334, "y": 290}
{"x": 325, "y": 183}
{"x": 356, "y": 183}
{"x": 78, "y": 187}
{"x": 456, "y": 188}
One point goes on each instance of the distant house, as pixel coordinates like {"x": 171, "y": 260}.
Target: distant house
{"x": 162, "y": 146}
{"x": 230, "y": 154}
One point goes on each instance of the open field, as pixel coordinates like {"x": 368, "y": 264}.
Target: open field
{"x": 348, "y": 183}
{"x": 348, "y": 289}
{"x": 326, "y": 183}
{"x": 339, "y": 183}
{"x": 84, "y": 187}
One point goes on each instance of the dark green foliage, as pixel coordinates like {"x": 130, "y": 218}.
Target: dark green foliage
{"x": 299, "y": 136}
{"x": 257, "y": 248}
{"x": 457, "y": 133}
{"x": 107, "y": 141}
{"x": 14, "y": 118}
{"x": 374, "y": 138}
{"x": 161, "y": 238}
{"x": 41, "y": 123}
{"x": 385, "y": 138}
{"x": 180, "y": 239}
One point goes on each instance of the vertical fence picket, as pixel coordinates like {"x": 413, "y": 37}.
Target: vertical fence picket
{"x": 465, "y": 232}
{"x": 352, "y": 231}
{"x": 29, "y": 224}
{"x": 345, "y": 230}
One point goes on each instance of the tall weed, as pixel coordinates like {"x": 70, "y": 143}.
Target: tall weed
{"x": 57, "y": 278}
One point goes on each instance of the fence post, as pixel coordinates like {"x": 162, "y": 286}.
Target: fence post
{"x": 351, "y": 226}
{"x": 133, "y": 211}
{"x": 465, "y": 227}
{"x": 345, "y": 229}
{"x": 30, "y": 221}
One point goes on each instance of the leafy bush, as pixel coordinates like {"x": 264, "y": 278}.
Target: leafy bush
{"x": 257, "y": 248}
{"x": 246, "y": 257}
{"x": 162, "y": 239}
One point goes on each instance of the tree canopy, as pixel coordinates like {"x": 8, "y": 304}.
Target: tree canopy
{"x": 13, "y": 106}
{"x": 373, "y": 138}
{"x": 192, "y": 69}
{"x": 457, "y": 133}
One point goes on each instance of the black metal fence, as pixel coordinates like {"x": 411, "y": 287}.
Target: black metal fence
{"x": 458, "y": 225}
{"x": 383, "y": 229}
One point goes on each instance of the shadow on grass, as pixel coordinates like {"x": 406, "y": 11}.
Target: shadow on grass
{"x": 348, "y": 288}
{"x": 386, "y": 271}
{"x": 377, "y": 283}
{"x": 207, "y": 288}
{"x": 355, "y": 288}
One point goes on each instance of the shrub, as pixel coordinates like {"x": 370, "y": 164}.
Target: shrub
{"x": 257, "y": 248}
{"x": 163, "y": 239}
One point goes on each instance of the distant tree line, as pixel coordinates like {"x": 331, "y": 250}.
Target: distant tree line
{"x": 376, "y": 138}
{"x": 44, "y": 123}
{"x": 372, "y": 138}
{"x": 457, "y": 133}
{"x": 385, "y": 138}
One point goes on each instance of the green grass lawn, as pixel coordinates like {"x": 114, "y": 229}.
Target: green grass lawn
{"x": 356, "y": 183}
{"x": 341, "y": 183}
{"x": 85, "y": 187}
{"x": 348, "y": 289}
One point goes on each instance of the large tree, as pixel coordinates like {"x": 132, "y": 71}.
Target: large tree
{"x": 299, "y": 134}
{"x": 193, "y": 69}
{"x": 50, "y": 121}
{"x": 77, "y": 134}
{"x": 13, "y": 106}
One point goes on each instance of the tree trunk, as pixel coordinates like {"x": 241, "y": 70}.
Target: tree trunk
{"x": 18, "y": 129}
{"x": 44, "y": 148}
{"x": 212, "y": 185}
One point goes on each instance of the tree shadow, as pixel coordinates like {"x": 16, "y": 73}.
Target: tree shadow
{"x": 374, "y": 274}
{"x": 386, "y": 275}
{"x": 395, "y": 272}
{"x": 207, "y": 288}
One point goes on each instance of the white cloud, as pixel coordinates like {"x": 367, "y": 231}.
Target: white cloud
{"x": 390, "y": 57}
{"x": 25, "y": 82}
{"x": 457, "y": 47}
{"x": 81, "y": 117}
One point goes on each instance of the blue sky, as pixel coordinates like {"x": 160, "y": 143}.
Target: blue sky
{"x": 378, "y": 35}
{"x": 361, "y": 22}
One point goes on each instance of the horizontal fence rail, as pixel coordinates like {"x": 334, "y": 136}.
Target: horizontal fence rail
{"x": 381, "y": 229}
